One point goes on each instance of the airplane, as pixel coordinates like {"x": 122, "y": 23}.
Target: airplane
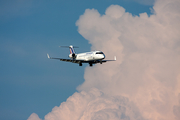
{"x": 92, "y": 57}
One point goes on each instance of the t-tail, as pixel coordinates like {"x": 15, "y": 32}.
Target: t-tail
{"x": 71, "y": 49}
{"x": 72, "y": 54}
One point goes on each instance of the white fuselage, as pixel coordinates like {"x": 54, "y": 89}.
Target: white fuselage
{"x": 89, "y": 56}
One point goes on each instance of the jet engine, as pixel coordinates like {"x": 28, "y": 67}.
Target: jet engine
{"x": 72, "y": 55}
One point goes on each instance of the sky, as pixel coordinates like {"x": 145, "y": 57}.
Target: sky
{"x": 142, "y": 84}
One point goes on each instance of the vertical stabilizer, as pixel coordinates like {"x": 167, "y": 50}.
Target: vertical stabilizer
{"x": 71, "y": 49}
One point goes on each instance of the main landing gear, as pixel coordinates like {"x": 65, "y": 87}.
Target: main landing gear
{"x": 80, "y": 64}
{"x": 90, "y": 64}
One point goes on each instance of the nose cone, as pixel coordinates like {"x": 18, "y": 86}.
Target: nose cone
{"x": 104, "y": 56}
{"x": 101, "y": 56}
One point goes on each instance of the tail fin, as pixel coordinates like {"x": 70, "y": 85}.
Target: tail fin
{"x": 71, "y": 49}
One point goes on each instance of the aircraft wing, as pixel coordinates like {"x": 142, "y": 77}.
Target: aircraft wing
{"x": 70, "y": 60}
{"x": 99, "y": 61}
{"x": 66, "y": 60}
{"x": 109, "y": 60}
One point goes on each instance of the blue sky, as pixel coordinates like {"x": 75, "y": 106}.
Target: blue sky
{"x": 29, "y": 82}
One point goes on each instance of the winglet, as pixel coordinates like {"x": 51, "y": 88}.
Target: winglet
{"x": 48, "y": 55}
{"x": 115, "y": 58}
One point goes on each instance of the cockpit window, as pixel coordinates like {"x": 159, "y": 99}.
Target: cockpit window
{"x": 99, "y": 52}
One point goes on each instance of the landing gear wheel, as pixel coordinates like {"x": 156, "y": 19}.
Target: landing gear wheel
{"x": 80, "y": 64}
{"x": 90, "y": 64}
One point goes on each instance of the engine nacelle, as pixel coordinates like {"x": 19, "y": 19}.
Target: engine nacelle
{"x": 72, "y": 56}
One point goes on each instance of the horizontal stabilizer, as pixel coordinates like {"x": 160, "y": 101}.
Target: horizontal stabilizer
{"x": 69, "y": 46}
{"x": 48, "y": 55}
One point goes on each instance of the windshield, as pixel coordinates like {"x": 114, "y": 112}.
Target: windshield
{"x": 99, "y": 52}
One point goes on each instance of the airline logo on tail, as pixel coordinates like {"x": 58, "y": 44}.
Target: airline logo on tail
{"x": 71, "y": 50}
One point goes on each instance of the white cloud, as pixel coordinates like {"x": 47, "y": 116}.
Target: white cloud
{"x": 144, "y": 83}
{"x": 148, "y": 51}
{"x": 94, "y": 105}
{"x": 34, "y": 116}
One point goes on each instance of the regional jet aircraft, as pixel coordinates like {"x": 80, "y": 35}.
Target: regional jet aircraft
{"x": 93, "y": 57}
